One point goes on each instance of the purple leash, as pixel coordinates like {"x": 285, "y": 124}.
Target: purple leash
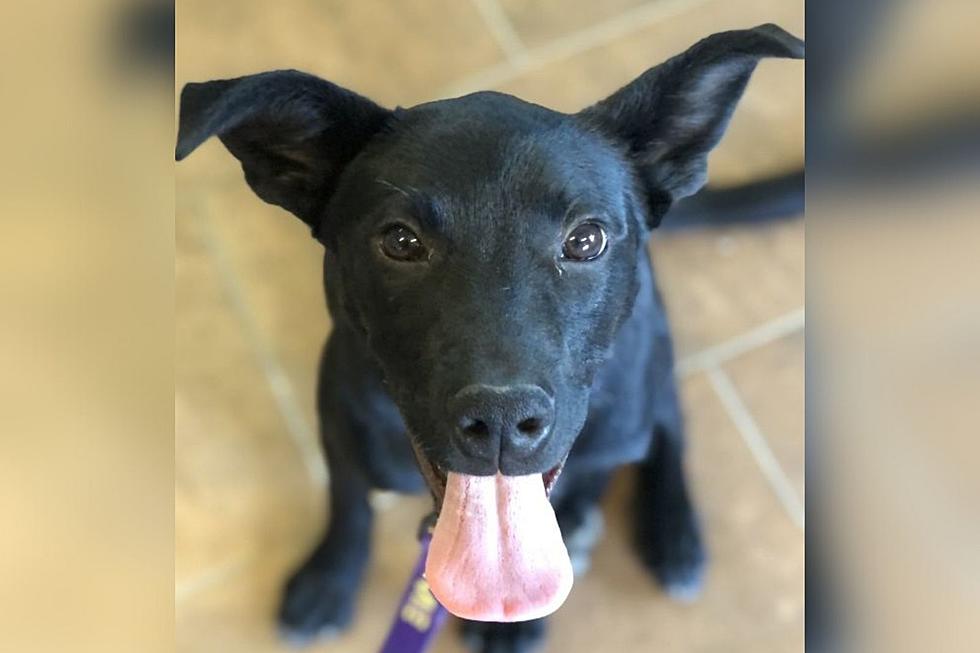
{"x": 420, "y": 616}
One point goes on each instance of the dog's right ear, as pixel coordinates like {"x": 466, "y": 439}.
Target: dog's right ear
{"x": 292, "y": 132}
{"x": 669, "y": 118}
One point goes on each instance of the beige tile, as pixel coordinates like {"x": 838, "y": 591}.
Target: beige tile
{"x": 771, "y": 383}
{"x": 240, "y": 481}
{"x": 239, "y": 615}
{"x": 278, "y": 268}
{"x": 753, "y": 599}
{"x": 766, "y": 133}
{"x": 395, "y": 52}
{"x": 720, "y": 283}
{"x": 539, "y": 21}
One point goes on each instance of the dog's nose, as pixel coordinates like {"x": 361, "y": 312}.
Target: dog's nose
{"x": 490, "y": 416}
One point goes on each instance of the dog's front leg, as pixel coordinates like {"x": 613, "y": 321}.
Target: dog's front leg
{"x": 319, "y": 598}
{"x": 668, "y": 533}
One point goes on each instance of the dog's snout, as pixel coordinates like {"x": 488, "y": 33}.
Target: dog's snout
{"x": 491, "y": 416}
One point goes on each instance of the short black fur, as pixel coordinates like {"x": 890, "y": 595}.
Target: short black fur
{"x": 493, "y": 352}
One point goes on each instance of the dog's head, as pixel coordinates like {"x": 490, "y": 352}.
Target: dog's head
{"x": 483, "y": 247}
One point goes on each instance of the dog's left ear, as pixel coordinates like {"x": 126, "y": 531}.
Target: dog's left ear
{"x": 671, "y": 116}
{"x": 294, "y": 133}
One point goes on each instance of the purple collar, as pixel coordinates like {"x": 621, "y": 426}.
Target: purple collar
{"x": 419, "y": 617}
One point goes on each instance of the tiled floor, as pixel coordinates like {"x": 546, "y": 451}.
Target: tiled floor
{"x": 251, "y": 321}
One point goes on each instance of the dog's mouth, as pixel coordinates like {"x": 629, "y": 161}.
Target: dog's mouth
{"x": 496, "y": 552}
{"x": 436, "y": 478}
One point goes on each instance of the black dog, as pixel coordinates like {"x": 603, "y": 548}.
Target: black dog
{"x": 495, "y": 312}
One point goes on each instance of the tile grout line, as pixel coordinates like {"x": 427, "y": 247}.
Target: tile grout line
{"x": 209, "y": 578}
{"x": 502, "y": 30}
{"x": 756, "y": 442}
{"x": 624, "y": 24}
{"x": 712, "y": 357}
{"x": 281, "y": 387}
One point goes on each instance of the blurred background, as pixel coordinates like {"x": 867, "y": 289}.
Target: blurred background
{"x": 251, "y": 320}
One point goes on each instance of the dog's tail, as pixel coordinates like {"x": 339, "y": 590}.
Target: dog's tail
{"x": 758, "y": 202}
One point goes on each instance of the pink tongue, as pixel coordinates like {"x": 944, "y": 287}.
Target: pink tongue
{"x": 496, "y": 552}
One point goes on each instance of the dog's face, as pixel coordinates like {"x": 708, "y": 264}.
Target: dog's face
{"x": 485, "y": 248}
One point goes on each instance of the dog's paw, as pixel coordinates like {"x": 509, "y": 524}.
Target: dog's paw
{"x": 676, "y": 558}
{"x": 316, "y": 605}
{"x": 518, "y": 637}
{"x": 681, "y": 581}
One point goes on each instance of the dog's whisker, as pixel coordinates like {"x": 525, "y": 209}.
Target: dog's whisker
{"x": 398, "y": 189}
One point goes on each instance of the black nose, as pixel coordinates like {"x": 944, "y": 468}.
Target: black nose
{"x": 487, "y": 416}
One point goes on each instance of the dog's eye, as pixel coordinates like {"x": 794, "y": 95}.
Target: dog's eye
{"x": 585, "y": 242}
{"x": 402, "y": 244}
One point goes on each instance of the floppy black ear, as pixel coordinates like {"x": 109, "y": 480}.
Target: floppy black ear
{"x": 293, "y": 133}
{"x": 672, "y": 115}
